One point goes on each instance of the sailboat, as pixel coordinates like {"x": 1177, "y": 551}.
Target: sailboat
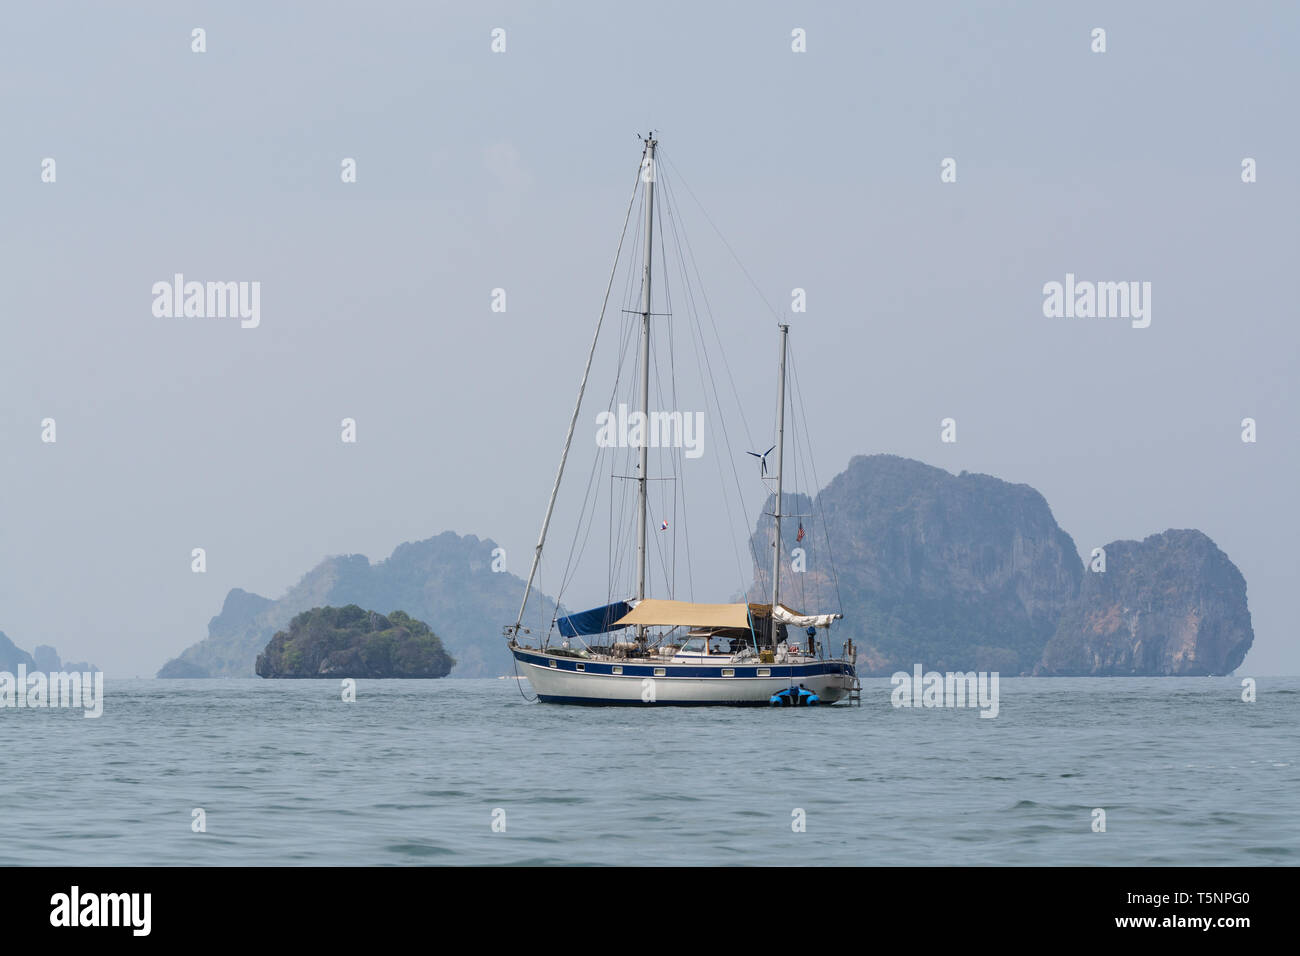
{"x": 643, "y": 650}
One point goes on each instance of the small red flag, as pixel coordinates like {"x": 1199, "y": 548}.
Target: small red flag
{"x": 799, "y": 536}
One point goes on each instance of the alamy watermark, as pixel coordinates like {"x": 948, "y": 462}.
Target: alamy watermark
{"x": 656, "y": 430}
{"x": 1082, "y": 299}
{"x": 129, "y": 910}
{"x": 208, "y": 300}
{"x": 56, "y": 689}
{"x": 953, "y": 689}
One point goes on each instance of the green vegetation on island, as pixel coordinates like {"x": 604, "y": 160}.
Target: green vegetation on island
{"x": 353, "y": 642}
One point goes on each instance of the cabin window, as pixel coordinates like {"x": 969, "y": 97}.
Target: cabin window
{"x": 582, "y": 667}
{"x": 616, "y": 669}
{"x": 693, "y": 646}
{"x": 728, "y": 672}
{"x": 765, "y": 672}
{"x": 552, "y": 663}
{"x": 661, "y": 672}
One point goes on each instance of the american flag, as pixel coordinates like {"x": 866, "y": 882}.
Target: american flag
{"x": 799, "y": 536}
{"x": 663, "y": 526}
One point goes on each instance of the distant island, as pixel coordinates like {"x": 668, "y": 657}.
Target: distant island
{"x": 43, "y": 658}
{"x": 970, "y": 572}
{"x": 452, "y": 580}
{"x": 353, "y": 642}
{"x": 955, "y": 572}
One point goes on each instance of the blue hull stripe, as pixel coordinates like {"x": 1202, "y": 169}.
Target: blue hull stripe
{"x": 570, "y": 664}
{"x": 604, "y": 702}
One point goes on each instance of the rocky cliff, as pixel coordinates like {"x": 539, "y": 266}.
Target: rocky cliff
{"x": 969, "y": 572}
{"x": 446, "y": 580}
{"x": 955, "y": 572}
{"x": 1170, "y": 604}
{"x": 11, "y": 656}
{"x": 43, "y": 658}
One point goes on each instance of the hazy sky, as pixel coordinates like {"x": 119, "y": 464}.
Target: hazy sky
{"x": 481, "y": 170}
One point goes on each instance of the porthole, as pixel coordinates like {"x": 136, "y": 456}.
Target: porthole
{"x": 765, "y": 672}
{"x": 661, "y": 672}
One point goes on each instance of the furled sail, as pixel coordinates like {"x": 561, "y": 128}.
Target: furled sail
{"x": 789, "y": 617}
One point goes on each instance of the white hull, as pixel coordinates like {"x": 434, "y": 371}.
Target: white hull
{"x": 556, "y": 678}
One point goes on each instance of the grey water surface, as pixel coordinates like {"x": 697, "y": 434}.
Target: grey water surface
{"x": 415, "y": 772}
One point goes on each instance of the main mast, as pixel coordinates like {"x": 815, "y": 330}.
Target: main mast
{"x": 648, "y": 177}
{"x": 512, "y": 631}
{"x": 780, "y": 451}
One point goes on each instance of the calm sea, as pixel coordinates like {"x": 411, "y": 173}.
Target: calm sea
{"x": 415, "y": 772}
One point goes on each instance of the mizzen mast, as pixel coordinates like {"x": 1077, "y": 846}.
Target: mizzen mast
{"x": 780, "y": 450}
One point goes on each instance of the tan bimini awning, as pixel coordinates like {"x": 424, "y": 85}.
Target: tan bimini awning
{"x": 656, "y": 613}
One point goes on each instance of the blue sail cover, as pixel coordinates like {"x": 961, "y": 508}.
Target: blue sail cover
{"x": 596, "y": 621}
